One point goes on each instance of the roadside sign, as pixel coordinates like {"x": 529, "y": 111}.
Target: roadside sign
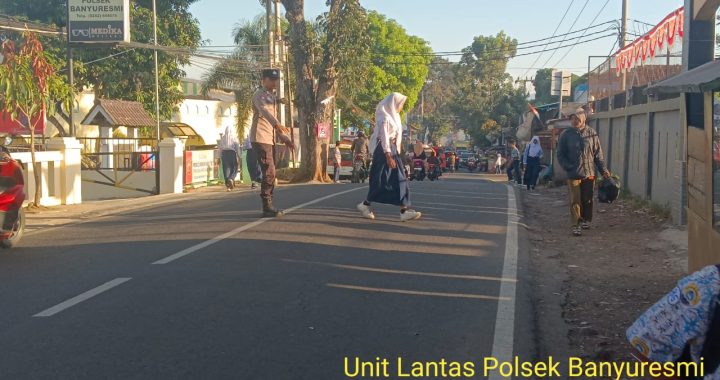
{"x": 323, "y": 131}
{"x": 561, "y": 82}
{"x": 98, "y": 21}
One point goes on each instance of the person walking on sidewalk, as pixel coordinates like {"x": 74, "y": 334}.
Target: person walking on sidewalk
{"x": 388, "y": 181}
{"x": 252, "y": 164}
{"x": 513, "y": 165}
{"x": 498, "y": 164}
{"x": 531, "y": 161}
{"x": 337, "y": 162}
{"x": 262, "y": 135}
{"x": 229, "y": 149}
{"x": 580, "y": 154}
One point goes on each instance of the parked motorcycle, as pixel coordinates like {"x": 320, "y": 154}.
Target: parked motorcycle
{"x": 359, "y": 173}
{"x": 12, "y": 196}
{"x": 434, "y": 172}
{"x": 418, "y": 173}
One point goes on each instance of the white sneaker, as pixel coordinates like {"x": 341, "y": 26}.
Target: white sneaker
{"x": 409, "y": 215}
{"x": 366, "y": 211}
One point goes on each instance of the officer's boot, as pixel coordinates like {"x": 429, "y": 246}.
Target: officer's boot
{"x": 269, "y": 211}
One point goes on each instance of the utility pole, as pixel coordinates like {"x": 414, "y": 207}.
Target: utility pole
{"x": 624, "y": 25}
{"x": 280, "y": 61}
{"x": 623, "y": 37}
{"x": 157, "y": 75}
{"x": 71, "y": 80}
{"x": 422, "y": 114}
{"x": 271, "y": 38}
{"x": 157, "y": 98}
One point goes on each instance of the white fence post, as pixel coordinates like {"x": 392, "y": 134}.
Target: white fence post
{"x": 70, "y": 169}
{"x": 171, "y": 165}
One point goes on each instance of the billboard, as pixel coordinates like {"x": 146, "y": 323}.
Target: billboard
{"x": 201, "y": 166}
{"x": 18, "y": 126}
{"x": 98, "y": 21}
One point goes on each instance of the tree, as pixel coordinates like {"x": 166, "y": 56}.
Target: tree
{"x": 436, "y": 126}
{"x": 485, "y": 91}
{"x": 439, "y": 91}
{"x": 29, "y": 86}
{"x": 542, "y": 82}
{"x": 129, "y": 74}
{"x": 239, "y": 72}
{"x": 542, "y": 87}
{"x": 341, "y": 26}
{"x": 399, "y": 63}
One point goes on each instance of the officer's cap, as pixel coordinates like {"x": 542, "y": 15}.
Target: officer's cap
{"x": 271, "y": 73}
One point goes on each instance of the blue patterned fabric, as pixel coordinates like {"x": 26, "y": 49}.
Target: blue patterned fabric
{"x": 680, "y": 318}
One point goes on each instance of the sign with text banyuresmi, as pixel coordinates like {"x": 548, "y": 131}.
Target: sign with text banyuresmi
{"x": 98, "y": 21}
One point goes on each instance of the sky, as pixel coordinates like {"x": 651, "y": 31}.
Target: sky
{"x": 451, "y": 25}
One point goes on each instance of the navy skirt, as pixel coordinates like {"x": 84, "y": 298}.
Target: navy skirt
{"x": 388, "y": 186}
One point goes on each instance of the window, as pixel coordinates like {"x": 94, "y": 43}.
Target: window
{"x": 716, "y": 160}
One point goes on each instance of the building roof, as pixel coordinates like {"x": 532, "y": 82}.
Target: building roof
{"x": 118, "y": 113}
{"x": 700, "y": 79}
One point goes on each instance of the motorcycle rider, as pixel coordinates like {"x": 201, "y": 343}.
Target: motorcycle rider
{"x": 361, "y": 147}
{"x": 433, "y": 160}
{"x": 422, "y": 156}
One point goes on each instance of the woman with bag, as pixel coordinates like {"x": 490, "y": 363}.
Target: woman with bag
{"x": 531, "y": 160}
{"x": 388, "y": 181}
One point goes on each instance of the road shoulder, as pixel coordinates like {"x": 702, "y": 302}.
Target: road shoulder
{"x": 588, "y": 290}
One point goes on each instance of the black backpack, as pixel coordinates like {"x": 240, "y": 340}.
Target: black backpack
{"x": 608, "y": 190}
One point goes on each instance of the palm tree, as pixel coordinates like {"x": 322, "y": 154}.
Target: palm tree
{"x": 239, "y": 72}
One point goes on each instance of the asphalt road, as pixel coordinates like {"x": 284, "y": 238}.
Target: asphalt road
{"x": 205, "y": 289}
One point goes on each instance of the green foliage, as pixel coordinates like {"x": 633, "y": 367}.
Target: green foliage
{"x": 542, "y": 87}
{"x": 436, "y": 126}
{"x": 28, "y": 81}
{"x": 486, "y": 59}
{"x": 128, "y": 76}
{"x": 29, "y": 85}
{"x": 487, "y": 103}
{"x": 399, "y": 63}
{"x": 542, "y": 82}
{"x": 239, "y": 72}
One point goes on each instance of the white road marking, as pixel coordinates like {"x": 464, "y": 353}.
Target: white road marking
{"x": 243, "y": 228}
{"x": 505, "y": 320}
{"x": 81, "y": 297}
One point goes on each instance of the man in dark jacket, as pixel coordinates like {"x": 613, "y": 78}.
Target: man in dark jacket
{"x": 580, "y": 154}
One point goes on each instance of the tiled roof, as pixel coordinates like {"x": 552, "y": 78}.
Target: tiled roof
{"x": 124, "y": 113}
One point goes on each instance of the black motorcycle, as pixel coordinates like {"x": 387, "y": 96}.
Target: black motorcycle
{"x": 359, "y": 172}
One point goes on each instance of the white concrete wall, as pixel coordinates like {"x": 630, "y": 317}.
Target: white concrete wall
{"x": 208, "y": 117}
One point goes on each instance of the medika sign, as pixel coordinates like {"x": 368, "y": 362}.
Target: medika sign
{"x": 98, "y": 21}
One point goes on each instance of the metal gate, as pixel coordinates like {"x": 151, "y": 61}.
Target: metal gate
{"x": 123, "y": 163}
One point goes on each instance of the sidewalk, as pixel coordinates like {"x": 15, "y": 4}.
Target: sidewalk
{"x": 51, "y": 217}
{"x": 597, "y": 284}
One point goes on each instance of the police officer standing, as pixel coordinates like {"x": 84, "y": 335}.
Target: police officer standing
{"x": 262, "y": 137}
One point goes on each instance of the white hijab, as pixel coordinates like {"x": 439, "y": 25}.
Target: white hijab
{"x": 387, "y": 111}
{"x": 535, "y": 149}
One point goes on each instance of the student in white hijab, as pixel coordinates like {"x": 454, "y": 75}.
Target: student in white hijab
{"x": 388, "y": 181}
{"x": 531, "y": 160}
{"x": 229, "y": 147}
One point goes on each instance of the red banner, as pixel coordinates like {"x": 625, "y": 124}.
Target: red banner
{"x": 647, "y": 46}
{"x": 18, "y": 126}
